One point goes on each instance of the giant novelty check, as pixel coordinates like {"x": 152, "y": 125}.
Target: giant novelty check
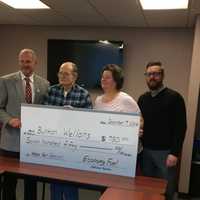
{"x": 104, "y": 142}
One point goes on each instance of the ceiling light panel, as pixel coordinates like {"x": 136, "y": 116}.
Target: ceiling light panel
{"x": 163, "y": 4}
{"x": 25, "y": 4}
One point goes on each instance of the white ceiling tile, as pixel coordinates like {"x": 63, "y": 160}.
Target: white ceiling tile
{"x": 166, "y": 18}
{"x": 120, "y": 13}
{"x": 10, "y": 16}
{"x": 46, "y": 17}
{"x": 80, "y": 12}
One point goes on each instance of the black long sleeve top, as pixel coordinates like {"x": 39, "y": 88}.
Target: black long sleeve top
{"x": 164, "y": 120}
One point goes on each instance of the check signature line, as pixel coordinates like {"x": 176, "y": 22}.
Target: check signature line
{"x": 101, "y": 152}
{"x": 100, "y": 148}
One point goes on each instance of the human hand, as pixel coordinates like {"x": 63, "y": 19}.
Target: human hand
{"x": 141, "y": 126}
{"x": 15, "y": 123}
{"x": 141, "y": 132}
{"x": 171, "y": 160}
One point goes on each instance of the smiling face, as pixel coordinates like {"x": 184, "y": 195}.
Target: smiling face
{"x": 154, "y": 77}
{"x": 27, "y": 62}
{"x": 107, "y": 81}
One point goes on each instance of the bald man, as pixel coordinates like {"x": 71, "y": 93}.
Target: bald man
{"x": 67, "y": 93}
{"x": 23, "y": 86}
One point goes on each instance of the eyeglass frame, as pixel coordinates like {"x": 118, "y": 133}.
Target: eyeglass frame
{"x": 154, "y": 74}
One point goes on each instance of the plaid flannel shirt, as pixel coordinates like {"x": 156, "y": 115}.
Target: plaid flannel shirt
{"x": 77, "y": 97}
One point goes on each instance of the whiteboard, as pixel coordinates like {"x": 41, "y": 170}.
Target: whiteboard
{"x": 104, "y": 142}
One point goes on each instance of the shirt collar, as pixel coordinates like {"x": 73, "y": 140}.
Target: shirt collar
{"x": 30, "y": 77}
{"x": 72, "y": 88}
{"x": 156, "y": 92}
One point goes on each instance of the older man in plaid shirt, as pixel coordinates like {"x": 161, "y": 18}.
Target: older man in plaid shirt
{"x": 67, "y": 93}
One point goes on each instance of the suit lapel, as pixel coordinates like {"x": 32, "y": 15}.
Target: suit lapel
{"x": 36, "y": 89}
{"x": 19, "y": 87}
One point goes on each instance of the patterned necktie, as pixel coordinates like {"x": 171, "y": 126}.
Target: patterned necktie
{"x": 28, "y": 91}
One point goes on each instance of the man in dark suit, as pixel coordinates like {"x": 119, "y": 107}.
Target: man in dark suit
{"x": 23, "y": 86}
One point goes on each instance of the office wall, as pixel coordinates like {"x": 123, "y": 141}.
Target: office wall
{"x": 171, "y": 46}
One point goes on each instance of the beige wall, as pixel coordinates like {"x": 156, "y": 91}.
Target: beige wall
{"x": 171, "y": 46}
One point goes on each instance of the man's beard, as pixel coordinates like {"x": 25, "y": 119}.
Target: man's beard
{"x": 154, "y": 85}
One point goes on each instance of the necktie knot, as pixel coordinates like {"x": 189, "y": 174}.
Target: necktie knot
{"x": 27, "y": 79}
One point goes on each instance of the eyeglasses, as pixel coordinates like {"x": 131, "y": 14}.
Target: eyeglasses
{"x": 154, "y": 74}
